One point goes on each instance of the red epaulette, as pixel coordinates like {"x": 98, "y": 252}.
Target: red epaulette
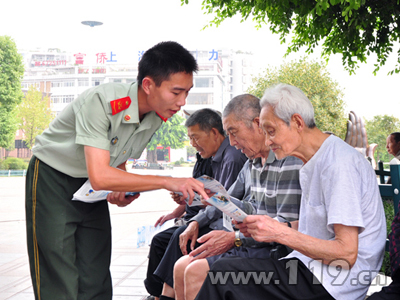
{"x": 119, "y": 105}
{"x": 162, "y": 118}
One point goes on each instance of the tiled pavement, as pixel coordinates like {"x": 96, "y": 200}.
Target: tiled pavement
{"x": 129, "y": 263}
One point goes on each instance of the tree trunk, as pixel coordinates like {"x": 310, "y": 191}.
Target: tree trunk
{"x": 152, "y": 156}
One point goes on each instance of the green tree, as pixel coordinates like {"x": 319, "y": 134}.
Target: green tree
{"x": 378, "y": 129}
{"x": 314, "y": 80}
{"x": 8, "y": 126}
{"x": 11, "y": 72}
{"x": 353, "y": 28}
{"x": 34, "y": 115}
{"x": 171, "y": 134}
{"x": 191, "y": 151}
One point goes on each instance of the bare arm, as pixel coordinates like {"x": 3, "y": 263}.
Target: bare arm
{"x": 104, "y": 177}
{"x": 343, "y": 248}
{"x": 176, "y": 213}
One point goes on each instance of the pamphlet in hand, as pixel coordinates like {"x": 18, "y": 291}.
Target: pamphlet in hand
{"x": 87, "y": 194}
{"x": 221, "y": 199}
{"x": 196, "y": 200}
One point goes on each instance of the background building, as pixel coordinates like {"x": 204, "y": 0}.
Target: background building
{"x": 63, "y": 76}
{"x": 222, "y": 75}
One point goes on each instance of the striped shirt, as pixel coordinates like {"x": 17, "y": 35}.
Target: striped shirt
{"x": 275, "y": 188}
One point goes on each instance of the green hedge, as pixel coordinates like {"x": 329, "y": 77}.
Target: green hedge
{"x": 13, "y": 163}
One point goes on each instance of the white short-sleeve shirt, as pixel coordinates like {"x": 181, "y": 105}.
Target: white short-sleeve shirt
{"x": 339, "y": 186}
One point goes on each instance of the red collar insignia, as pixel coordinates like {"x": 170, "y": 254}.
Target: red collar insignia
{"x": 162, "y": 118}
{"x": 119, "y": 105}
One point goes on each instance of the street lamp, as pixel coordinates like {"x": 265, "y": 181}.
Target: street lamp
{"x": 92, "y": 23}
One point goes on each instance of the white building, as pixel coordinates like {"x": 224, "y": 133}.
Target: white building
{"x": 62, "y": 76}
{"x": 222, "y": 75}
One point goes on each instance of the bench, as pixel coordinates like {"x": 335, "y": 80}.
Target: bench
{"x": 390, "y": 191}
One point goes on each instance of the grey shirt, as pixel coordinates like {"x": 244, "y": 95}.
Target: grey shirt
{"x": 342, "y": 191}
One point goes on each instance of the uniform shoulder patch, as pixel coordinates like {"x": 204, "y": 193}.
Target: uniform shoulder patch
{"x": 119, "y": 105}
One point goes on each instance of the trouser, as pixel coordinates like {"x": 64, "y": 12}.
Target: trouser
{"x": 391, "y": 292}
{"x": 69, "y": 242}
{"x": 237, "y": 278}
{"x": 158, "y": 247}
{"x": 165, "y": 269}
{"x": 277, "y": 252}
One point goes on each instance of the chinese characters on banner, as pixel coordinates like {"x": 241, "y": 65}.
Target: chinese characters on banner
{"x": 101, "y": 58}
{"x": 79, "y": 57}
{"x": 140, "y": 54}
{"x": 213, "y": 55}
{"x": 111, "y": 57}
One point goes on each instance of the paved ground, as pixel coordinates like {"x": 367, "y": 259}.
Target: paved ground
{"x": 129, "y": 263}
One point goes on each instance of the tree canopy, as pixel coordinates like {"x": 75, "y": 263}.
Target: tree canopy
{"x": 352, "y": 28}
{"x": 314, "y": 80}
{"x": 11, "y": 72}
{"x": 34, "y": 115}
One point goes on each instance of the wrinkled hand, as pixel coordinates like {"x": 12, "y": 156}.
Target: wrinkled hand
{"x": 213, "y": 243}
{"x": 120, "y": 199}
{"x": 263, "y": 228}
{"x": 177, "y": 198}
{"x": 191, "y": 233}
{"x": 356, "y": 137}
{"x": 242, "y": 228}
{"x": 164, "y": 218}
{"x": 186, "y": 186}
{"x": 176, "y": 213}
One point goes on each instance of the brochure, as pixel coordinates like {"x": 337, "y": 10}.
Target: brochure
{"x": 87, "y": 194}
{"x": 221, "y": 198}
{"x": 196, "y": 200}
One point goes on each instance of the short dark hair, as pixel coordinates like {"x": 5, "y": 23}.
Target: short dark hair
{"x": 207, "y": 119}
{"x": 396, "y": 136}
{"x": 163, "y": 60}
{"x": 244, "y": 107}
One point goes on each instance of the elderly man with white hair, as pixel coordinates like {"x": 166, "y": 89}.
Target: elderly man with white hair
{"x": 339, "y": 245}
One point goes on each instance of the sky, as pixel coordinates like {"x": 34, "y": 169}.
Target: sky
{"x": 129, "y": 26}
